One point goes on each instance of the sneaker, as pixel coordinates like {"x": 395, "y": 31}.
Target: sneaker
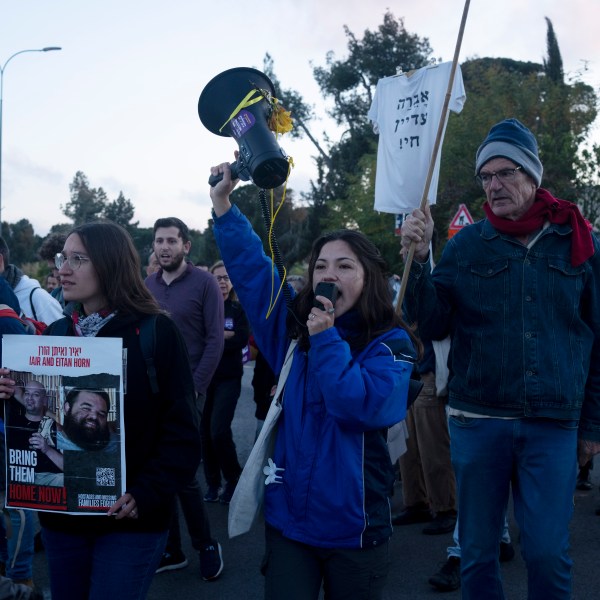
{"x": 211, "y": 561}
{"x": 584, "y": 485}
{"x": 212, "y": 494}
{"x": 172, "y": 561}
{"x": 419, "y": 513}
{"x": 507, "y": 552}
{"x": 443, "y": 522}
{"x": 227, "y": 495}
{"x": 583, "y": 476}
{"x": 447, "y": 579}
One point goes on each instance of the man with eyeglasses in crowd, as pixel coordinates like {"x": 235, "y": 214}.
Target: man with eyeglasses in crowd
{"x": 520, "y": 293}
{"x": 193, "y": 300}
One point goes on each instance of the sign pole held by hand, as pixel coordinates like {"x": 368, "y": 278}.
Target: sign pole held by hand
{"x": 436, "y": 147}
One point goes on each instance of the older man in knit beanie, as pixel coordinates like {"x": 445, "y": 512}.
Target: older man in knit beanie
{"x": 518, "y": 291}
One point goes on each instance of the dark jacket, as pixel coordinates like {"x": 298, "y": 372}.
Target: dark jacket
{"x": 231, "y": 365}
{"x": 525, "y": 324}
{"x": 162, "y": 439}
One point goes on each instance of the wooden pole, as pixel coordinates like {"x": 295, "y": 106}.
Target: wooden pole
{"x": 436, "y": 148}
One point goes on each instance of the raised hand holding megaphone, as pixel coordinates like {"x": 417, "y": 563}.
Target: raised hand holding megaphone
{"x": 241, "y": 103}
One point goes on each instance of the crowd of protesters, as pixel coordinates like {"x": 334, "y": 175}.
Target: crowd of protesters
{"x": 503, "y": 333}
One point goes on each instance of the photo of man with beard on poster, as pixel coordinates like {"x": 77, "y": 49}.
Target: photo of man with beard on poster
{"x": 85, "y": 426}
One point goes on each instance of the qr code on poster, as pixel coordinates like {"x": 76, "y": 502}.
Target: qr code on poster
{"x": 105, "y": 476}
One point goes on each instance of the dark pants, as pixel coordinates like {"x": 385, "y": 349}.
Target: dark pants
{"x": 218, "y": 449}
{"x": 194, "y": 512}
{"x": 296, "y": 571}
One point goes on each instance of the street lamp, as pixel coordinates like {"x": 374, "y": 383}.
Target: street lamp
{"x": 2, "y": 68}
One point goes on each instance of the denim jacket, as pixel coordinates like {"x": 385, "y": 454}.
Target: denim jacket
{"x": 525, "y": 324}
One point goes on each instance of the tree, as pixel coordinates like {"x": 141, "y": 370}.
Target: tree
{"x": 290, "y": 225}
{"x": 588, "y": 189}
{"x": 61, "y": 228}
{"x": 142, "y": 240}
{"x": 342, "y": 194}
{"x": 291, "y": 100}
{"x": 86, "y": 204}
{"x": 121, "y": 211}
{"x": 358, "y": 213}
{"x": 21, "y": 241}
{"x": 553, "y": 65}
{"x": 351, "y": 82}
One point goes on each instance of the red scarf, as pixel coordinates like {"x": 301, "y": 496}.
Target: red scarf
{"x": 548, "y": 208}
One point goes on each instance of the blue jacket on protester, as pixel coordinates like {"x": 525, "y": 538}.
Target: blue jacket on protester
{"x": 338, "y": 403}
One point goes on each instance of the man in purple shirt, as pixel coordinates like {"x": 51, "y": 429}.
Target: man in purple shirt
{"x": 194, "y": 301}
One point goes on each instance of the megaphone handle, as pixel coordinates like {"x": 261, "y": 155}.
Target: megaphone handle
{"x": 214, "y": 179}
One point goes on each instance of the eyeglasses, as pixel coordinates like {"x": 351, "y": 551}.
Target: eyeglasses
{"x": 503, "y": 176}
{"x": 222, "y": 277}
{"x": 74, "y": 261}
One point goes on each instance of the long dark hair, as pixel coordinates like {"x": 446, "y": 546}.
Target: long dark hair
{"x": 374, "y": 306}
{"x": 117, "y": 264}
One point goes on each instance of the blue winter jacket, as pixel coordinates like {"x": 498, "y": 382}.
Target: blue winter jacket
{"x": 525, "y": 324}
{"x": 337, "y": 405}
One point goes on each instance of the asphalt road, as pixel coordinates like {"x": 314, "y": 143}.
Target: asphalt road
{"x": 414, "y": 556}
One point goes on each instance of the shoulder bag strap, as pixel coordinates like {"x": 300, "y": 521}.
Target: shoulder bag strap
{"x": 31, "y": 303}
{"x": 285, "y": 371}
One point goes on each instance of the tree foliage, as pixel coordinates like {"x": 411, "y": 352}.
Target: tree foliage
{"x": 553, "y": 64}
{"x": 120, "y": 211}
{"x": 289, "y": 226}
{"x": 86, "y": 203}
{"x": 350, "y": 83}
{"x": 21, "y": 241}
{"x": 91, "y": 204}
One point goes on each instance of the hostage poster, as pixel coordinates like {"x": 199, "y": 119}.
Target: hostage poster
{"x": 64, "y": 435}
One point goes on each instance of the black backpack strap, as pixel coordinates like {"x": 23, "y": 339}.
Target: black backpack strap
{"x": 147, "y": 335}
{"x": 31, "y": 303}
{"x": 60, "y": 327}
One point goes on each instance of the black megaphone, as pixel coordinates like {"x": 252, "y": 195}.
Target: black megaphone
{"x": 260, "y": 157}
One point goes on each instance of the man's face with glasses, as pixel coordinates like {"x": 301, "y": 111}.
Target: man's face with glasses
{"x": 510, "y": 192}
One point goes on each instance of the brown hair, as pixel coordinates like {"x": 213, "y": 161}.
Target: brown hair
{"x": 117, "y": 264}
{"x": 374, "y": 306}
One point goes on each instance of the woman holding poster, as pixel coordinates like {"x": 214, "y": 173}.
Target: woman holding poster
{"x": 116, "y": 555}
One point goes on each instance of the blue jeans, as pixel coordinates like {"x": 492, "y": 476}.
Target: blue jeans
{"x": 536, "y": 456}
{"x": 97, "y": 567}
{"x": 455, "y": 550}
{"x": 16, "y": 552}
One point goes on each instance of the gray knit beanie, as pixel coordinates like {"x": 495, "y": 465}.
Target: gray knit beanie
{"x": 511, "y": 139}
